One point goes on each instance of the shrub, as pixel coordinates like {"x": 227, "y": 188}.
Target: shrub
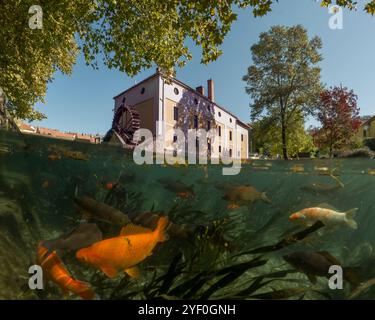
{"x": 370, "y": 143}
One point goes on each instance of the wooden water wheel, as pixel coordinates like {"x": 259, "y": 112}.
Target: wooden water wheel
{"x": 126, "y": 121}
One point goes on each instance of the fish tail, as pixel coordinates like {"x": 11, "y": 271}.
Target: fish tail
{"x": 84, "y": 290}
{"x": 265, "y": 198}
{"x": 161, "y": 229}
{"x": 350, "y": 218}
{"x": 353, "y": 277}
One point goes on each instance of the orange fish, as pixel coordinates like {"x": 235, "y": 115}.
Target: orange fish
{"x": 233, "y": 206}
{"x": 109, "y": 185}
{"x": 184, "y": 195}
{"x": 45, "y": 184}
{"x": 124, "y": 252}
{"x": 54, "y": 270}
{"x": 54, "y": 157}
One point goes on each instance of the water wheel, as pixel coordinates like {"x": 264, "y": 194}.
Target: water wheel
{"x": 126, "y": 121}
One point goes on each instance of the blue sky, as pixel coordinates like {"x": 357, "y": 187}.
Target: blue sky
{"x": 83, "y": 101}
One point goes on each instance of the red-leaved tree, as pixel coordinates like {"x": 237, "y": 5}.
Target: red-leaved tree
{"x": 338, "y": 115}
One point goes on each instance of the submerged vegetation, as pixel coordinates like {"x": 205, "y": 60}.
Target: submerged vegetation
{"x": 215, "y": 250}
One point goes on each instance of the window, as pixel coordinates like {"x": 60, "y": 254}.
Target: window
{"x": 230, "y": 120}
{"x": 230, "y": 135}
{"x": 220, "y": 149}
{"x": 176, "y": 91}
{"x": 208, "y": 125}
{"x": 143, "y": 90}
{"x": 208, "y": 108}
{"x": 195, "y": 122}
{"x": 175, "y": 113}
{"x": 175, "y": 138}
{"x": 366, "y": 131}
{"x": 230, "y": 153}
{"x": 123, "y": 100}
{"x": 219, "y": 131}
{"x": 241, "y": 137}
{"x": 175, "y": 153}
{"x": 195, "y": 101}
{"x": 219, "y": 114}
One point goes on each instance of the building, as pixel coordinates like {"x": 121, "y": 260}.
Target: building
{"x": 26, "y": 128}
{"x": 367, "y": 128}
{"x": 163, "y": 103}
{"x": 57, "y": 134}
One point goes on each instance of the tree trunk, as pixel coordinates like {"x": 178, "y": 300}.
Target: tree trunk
{"x": 330, "y": 151}
{"x": 283, "y": 140}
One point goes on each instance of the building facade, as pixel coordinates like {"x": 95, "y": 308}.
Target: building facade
{"x": 165, "y": 104}
{"x": 367, "y": 128}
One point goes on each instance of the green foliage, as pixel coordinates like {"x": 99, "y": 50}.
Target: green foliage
{"x": 268, "y": 137}
{"x": 130, "y": 35}
{"x": 284, "y": 82}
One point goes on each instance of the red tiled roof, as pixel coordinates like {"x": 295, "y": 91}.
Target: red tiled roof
{"x": 56, "y": 133}
{"x": 26, "y": 127}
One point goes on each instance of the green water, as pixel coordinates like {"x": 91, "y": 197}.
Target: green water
{"x": 36, "y": 202}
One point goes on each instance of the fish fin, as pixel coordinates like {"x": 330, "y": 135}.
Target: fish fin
{"x": 265, "y": 198}
{"x": 160, "y": 229}
{"x": 109, "y": 271}
{"x": 133, "y": 229}
{"x": 329, "y": 257}
{"x": 350, "y": 218}
{"x": 326, "y": 206}
{"x": 133, "y": 272}
{"x": 312, "y": 278}
{"x": 337, "y": 180}
{"x": 84, "y": 290}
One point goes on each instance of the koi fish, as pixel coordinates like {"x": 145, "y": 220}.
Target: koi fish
{"x": 54, "y": 157}
{"x": 55, "y": 271}
{"x": 245, "y": 194}
{"x": 317, "y": 188}
{"x": 297, "y": 168}
{"x": 178, "y": 187}
{"x": 326, "y": 214}
{"x": 90, "y": 208}
{"x": 83, "y": 236}
{"x": 124, "y": 252}
{"x": 317, "y": 264}
{"x": 76, "y": 155}
{"x": 150, "y": 220}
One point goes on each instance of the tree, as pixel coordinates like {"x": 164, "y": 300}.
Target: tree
{"x": 268, "y": 137}
{"x": 284, "y": 81}
{"x": 130, "y": 35}
{"x": 338, "y": 115}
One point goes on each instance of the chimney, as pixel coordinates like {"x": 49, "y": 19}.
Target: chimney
{"x": 200, "y": 89}
{"x": 211, "y": 90}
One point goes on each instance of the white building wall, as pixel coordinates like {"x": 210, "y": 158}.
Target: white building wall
{"x": 160, "y": 91}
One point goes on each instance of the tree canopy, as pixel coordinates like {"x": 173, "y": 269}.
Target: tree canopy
{"x": 130, "y": 35}
{"x": 339, "y": 119}
{"x": 284, "y": 80}
{"x": 268, "y": 137}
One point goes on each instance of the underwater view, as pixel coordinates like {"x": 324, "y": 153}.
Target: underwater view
{"x": 188, "y": 232}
